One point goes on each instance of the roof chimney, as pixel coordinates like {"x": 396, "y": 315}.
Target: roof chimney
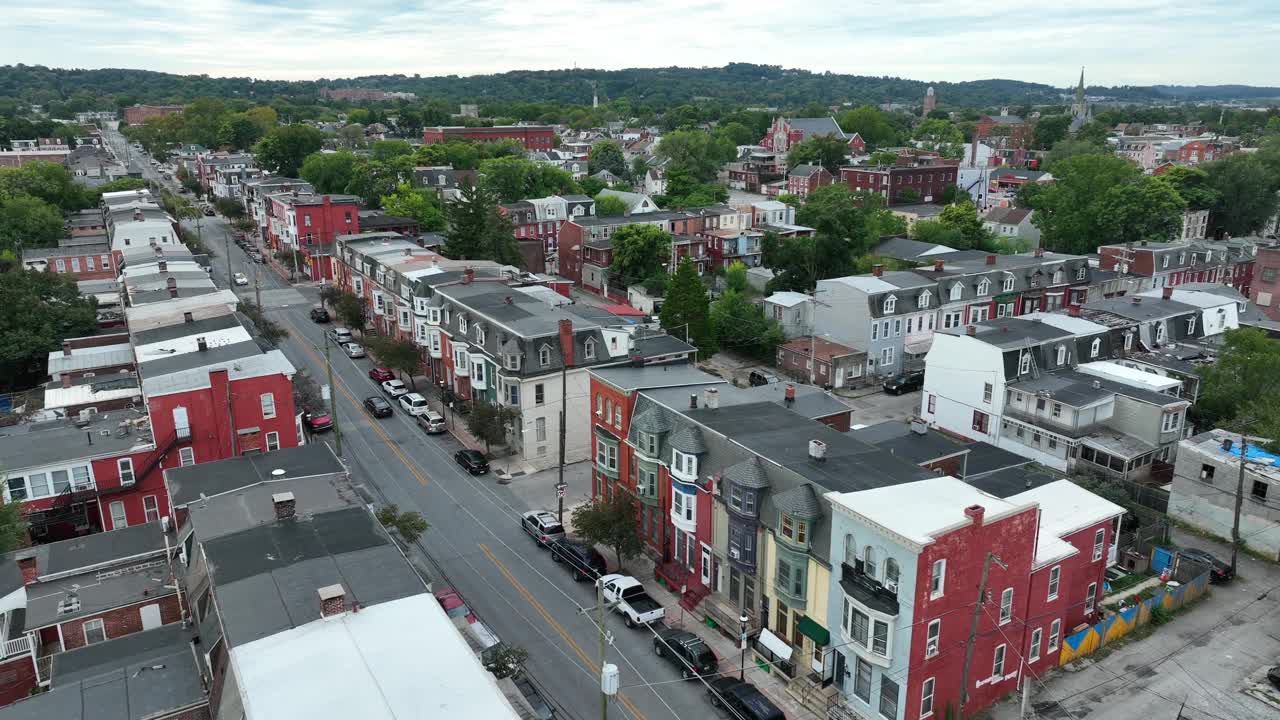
{"x": 693, "y": 401}
{"x": 1039, "y": 252}
{"x": 566, "y": 341}
{"x": 919, "y": 427}
{"x": 1167, "y": 293}
{"x": 991, "y": 259}
{"x": 137, "y": 213}
{"x": 171, "y": 282}
{"x": 817, "y": 450}
{"x": 1137, "y": 300}
{"x": 975, "y": 512}
{"x": 188, "y": 317}
{"x": 711, "y": 398}
{"x": 507, "y": 300}
{"x": 468, "y": 275}
{"x": 877, "y": 270}
{"x": 937, "y": 265}
{"x": 201, "y": 345}
{"x": 173, "y": 292}
{"x": 1097, "y": 384}
{"x": 30, "y": 570}
{"x": 971, "y": 330}
{"x": 66, "y": 348}
{"x": 1073, "y": 310}
{"x": 284, "y": 504}
{"x": 333, "y": 600}
{"x": 162, "y": 266}
{"x": 1227, "y": 443}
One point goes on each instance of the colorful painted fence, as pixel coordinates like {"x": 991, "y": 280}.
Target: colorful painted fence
{"x": 1119, "y": 624}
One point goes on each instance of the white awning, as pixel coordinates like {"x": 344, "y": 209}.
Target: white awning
{"x": 774, "y": 644}
{"x": 919, "y": 347}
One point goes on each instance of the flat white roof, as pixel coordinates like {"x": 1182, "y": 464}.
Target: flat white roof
{"x": 90, "y": 357}
{"x": 924, "y": 510}
{"x": 391, "y": 661}
{"x": 157, "y": 315}
{"x": 866, "y": 283}
{"x": 1066, "y": 507}
{"x": 1195, "y": 298}
{"x": 787, "y": 298}
{"x": 1132, "y": 377}
{"x": 269, "y": 363}
{"x": 1062, "y": 321}
{"x": 189, "y": 344}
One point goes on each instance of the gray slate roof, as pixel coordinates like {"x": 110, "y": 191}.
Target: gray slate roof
{"x": 817, "y": 126}
{"x": 32, "y": 445}
{"x": 188, "y": 484}
{"x": 688, "y": 439}
{"x": 748, "y": 474}
{"x": 799, "y": 502}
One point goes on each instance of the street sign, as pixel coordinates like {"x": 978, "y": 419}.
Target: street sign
{"x": 324, "y": 392}
{"x": 560, "y": 490}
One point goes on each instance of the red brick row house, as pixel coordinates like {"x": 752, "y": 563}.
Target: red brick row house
{"x": 533, "y": 137}
{"x": 902, "y": 185}
{"x": 308, "y": 225}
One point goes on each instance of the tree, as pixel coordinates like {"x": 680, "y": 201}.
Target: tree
{"x": 963, "y": 218}
{"x": 610, "y": 206}
{"x": 505, "y": 661}
{"x": 271, "y": 332}
{"x": 789, "y": 199}
{"x": 513, "y": 179}
{"x": 120, "y": 185}
{"x": 934, "y": 232}
{"x": 871, "y": 123}
{"x": 1065, "y": 149}
{"x": 735, "y": 276}
{"x": 306, "y": 393}
{"x": 1069, "y": 210}
{"x": 239, "y": 132}
{"x": 1191, "y": 184}
{"x": 1050, "y": 130}
{"x": 396, "y": 354}
{"x": 44, "y": 308}
{"x": 838, "y": 212}
{"x": 828, "y": 151}
{"x": 352, "y": 310}
{"x": 940, "y": 135}
{"x": 13, "y": 526}
{"x": 686, "y": 308}
{"x": 1144, "y": 210}
{"x": 1240, "y": 385}
{"x": 738, "y": 134}
{"x": 639, "y": 251}
{"x": 1246, "y": 190}
{"x": 884, "y": 157}
{"x": 410, "y": 525}
{"x": 699, "y": 153}
{"x": 329, "y": 172}
{"x": 373, "y": 179}
{"x": 228, "y": 208}
{"x": 384, "y": 150}
{"x": 740, "y": 325}
{"x": 607, "y": 155}
{"x": 490, "y": 423}
{"x": 421, "y": 205}
{"x": 47, "y": 181}
{"x": 329, "y": 295}
{"x": 612, "y": 522}
{"x": 30, "y": 222}
{"x": 477, "y": 231}
{"x": 283, "y": 150}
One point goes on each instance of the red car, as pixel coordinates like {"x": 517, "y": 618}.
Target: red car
{"x": 317, "y": 422}
{"x": 379, "y": 374}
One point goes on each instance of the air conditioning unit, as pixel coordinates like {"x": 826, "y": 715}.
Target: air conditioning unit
{"x": 891, "y": 585}
{"x": 931, "y": 648}
{"x": 734, "y": 553}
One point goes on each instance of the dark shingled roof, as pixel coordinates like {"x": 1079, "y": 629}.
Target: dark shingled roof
{"x": 688, "y": 439}
{"x": 188, "y": 484}
{"x": 651, "y": 421}
{"x": 799, "y": 502}
{"x": 747, "y": 474}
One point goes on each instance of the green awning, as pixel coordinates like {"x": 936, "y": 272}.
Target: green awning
{"x": 817, "y": 633}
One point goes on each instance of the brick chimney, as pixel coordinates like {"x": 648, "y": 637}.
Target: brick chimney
{"x": 284, "y": 504}
{"x": 66, "y": 348}
{"x": 975, "y": 512}
{"x": 29, "y": 570}
{"x": 1039, "y": 252}
{"x": 1073, "y": 310}
{"x": 333, "y": 600}
{"x": 711, "y": 398}
{"x": 468, "y": 275}
{"x": 1167, "y": 293}
{"x": 877, "y": 270}
{"x": 937, "y": 265}
{"x": 162, "y": 266}
{"x": 991, "y": 259}
{"x": 66, "y": 380}
{"x": 566, "y": 341}
{"x": 971, "y": 330}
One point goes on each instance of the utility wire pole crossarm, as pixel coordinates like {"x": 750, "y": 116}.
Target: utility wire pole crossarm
{"x": 973, "y": 628}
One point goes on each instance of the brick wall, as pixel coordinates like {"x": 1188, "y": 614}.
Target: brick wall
{"x": 197, "y": 713}
{"x": 17, "y": 679}
{"x": 120, "y": 621}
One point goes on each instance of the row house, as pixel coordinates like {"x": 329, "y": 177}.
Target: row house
{"x": 727, "y": 246}
{"x": 586, "y": 248}
{"x": 228, "y": 180}
{"x": 1147, "y": 151}
{"x": 311, "y": 611}
{"x": 901, "y": 185}
{"x": 730, "y": 483}
{"x": 820, "y": 361}
{"x": 1170, "y": 264}
{"x": 755, "y": 168}
{"x": 1018, "y": 131}
{"x": 1198, "y": 151}
{"x": 892, "y": 316}
{"x": 380, "y": 221}
{"x": 62, "y": 596}
{"x": 88, "y": 222}
{"x": 443, "y": 180}
{"x": 134, "y": 220}
{"x": 785, "y": 133}
{"x": 1203, "y": 491}
{"x": 309, "y": 225}
{"x": 1264, "y": 291}
{"x": 256, "y": 191}
{"x": 382, "y": 268}
{"x": 533, "y": 137}
{"x": 87, "y": 257}
{"x": 899, "y": 602}
{"x": 207, "y": 164}
{"x": 540, "y": 219}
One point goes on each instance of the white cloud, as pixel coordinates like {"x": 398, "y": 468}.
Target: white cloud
{"x": 1139, "y": 42}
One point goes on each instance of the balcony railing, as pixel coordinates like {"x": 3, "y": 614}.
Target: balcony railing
{"x": 17, "y": 646}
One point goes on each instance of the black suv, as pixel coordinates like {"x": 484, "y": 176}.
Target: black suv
{"x": 377, "y": 407}
{"x": 905, "y": 383}
{"x": 686, "y": 651}
{"x": 319, "y": 315}
{"x": 472, "y": 461}
{"x": 583, "y": 560}
{"x": 1219, "y": 572}
{"x": 743, "y": 700}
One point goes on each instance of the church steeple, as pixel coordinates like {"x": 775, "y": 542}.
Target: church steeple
{"x": 1080, "y": 88}
{"x": 1081, "y": 113}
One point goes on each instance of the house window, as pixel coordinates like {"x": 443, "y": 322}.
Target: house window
{"x": 1206, "y": 473}
{"x": 186, "y": 456}
{"x": 1099, "y": 538}
{"x": 1055, "y": 632}
{"x": 984, "y": 287}
{"x": 540, "y": 429}
{"x": 925, "y": 297}
{"x": 795, "y": 530}
{"x": 862, "y": 681}
{"x": 1034, "y": 653}
{"x": 933, "y": 404}
{"x": 980, "y": 421}
{"x": 1006, "y": 605}
{"x": 539, "y": 395}
{"x": 997, "y": 663}
{"x": 886, "y": 356}
{"x": 607, "y": 455}
{"x": 869, "y": 562}
{"x": 1024, "y": 364}
{"x": 1080, "y": 273}
{"x": 617, "y": 416}
{"x": 890, "y": 304}
{"x": 589, "y": 350}
{"x": 888, "y": 698}
{"x": 957, "y": 291}
{"x": 118, "y": 518}
{"x": 1090, "y": 597}
{"x": 268, "y": 401}
{"x": 1008, "y": 284}
{"x": 938, "y": 579}
{"x": 875, "y": 331}
{"x": 880, "y": 638}
{"x": 95, "y": 631}
{"x": 1055, "y": 575}
{"x": 1062, "y": 355}
{"x": 1095, "y": 347}
{"x": 926, "y": 698}
{"x": 686, "y": 465}
{"x": 986, "y": 393}
{"x": 1057, "y": 409}
{"x": 933, "y": 638}
{"x": 1169, "y": 421}
{"x": 897, "y": 327}
{"x": 1057, "y": 277}
{"x": 151, "y": 508}
{"x": 273, "y": 441}
{"x": 544, "y": 356}
{"x": 126, "y": 470}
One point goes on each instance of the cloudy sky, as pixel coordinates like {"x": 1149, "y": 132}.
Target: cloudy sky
{"x": 1135, "y": 42}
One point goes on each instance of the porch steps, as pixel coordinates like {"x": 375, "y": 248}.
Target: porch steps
{"x": 812, "y": 696}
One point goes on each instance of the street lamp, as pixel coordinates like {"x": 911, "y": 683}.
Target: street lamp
{"x": 742, "y": 641}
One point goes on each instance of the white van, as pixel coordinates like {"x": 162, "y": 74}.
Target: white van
{"x": 413, "y": 403}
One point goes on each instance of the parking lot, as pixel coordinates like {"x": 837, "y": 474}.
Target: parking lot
{"x": 870, "y": 408}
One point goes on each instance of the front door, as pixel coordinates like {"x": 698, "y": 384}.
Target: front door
{"x": 150, "y": 616}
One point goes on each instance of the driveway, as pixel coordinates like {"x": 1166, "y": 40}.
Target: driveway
{"x": 1197, "y": 663}
{"x": 881, "y": 407}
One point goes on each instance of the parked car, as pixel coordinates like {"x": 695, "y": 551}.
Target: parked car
{"x": 542, "y": 526}
{"x": 353, "y": 350}
{"x": 240, "y": 279}
{"x": 629, "y": 599}
{"x": 686, "y": 652}
{"x": 319, "y": 315}
{"x": 582, "y": 559}
{"x": 761, "y": 377}
{"x": 1219, "y": 572}
{"x": 393, "y": 387}
{"x": 377, "y": 407}
{"x": 317, "y": 422}
{"x": 905, "y": 383}
{"x": 413, "y": 403}
{"x": 742, "y": 699}
{"x": 208, "y": 210}
{"x": 340, "y": 335}
{"x": 472, "y": 461}
{"x": 256, "y": 257}
{"x": 432, "y": 422}
{"x": 380, "y": 374}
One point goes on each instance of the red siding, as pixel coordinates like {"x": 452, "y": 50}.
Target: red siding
{"x": 17, "y": 679}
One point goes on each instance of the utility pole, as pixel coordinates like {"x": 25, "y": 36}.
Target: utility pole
{"x": 1235, "y": 525}
{"x": 333, "y": 400}
{"x": 257, "y": 292}
{"x": 973, "y": 628}
{"x": 604, "y": 646}
{"x": 565, "y": 352}
{"x": 226, "y": 248}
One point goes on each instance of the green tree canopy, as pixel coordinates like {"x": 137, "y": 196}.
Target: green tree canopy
{"x": 329, "y": 172}
{"x": 1145, "y": 210}
{"x": 477, "y": 231}
{"x": 610, "y": 206}
{"x": 639, "y": 251}
{"x": 1192, "y": 184}
{"x": 1069, "y": 148}
{"x": 1246, "y": 193}
{"x": 29, "y": 222}
{"x": 421, "y": 205}
{"x": 607, "y": 155}
{"x": 686, "y": 309}
{"x": 698, "y": 153}
{"x": 120, "y": 185}
{"x": 384, "y": 150}
{"x": 871, "y": 123}
{"x": 44, "y": 308}
{"x": 611, "y": 522}
{"x": 373, "y": 179}
{"x": 283, "y": 150}
{"x": 1239, "y": 390}
{"x": 396, "y": 354}
{"x": 50, "y": 182}
{"x": 838, "y": 212}
{"x": 828, "y": 151}
{"x": 740, "y": 325}
{"x": 1050, "y": 129}
{"x": 513, "y": 179}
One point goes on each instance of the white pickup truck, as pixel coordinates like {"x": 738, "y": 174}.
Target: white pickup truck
{"x": 628, "y": 597}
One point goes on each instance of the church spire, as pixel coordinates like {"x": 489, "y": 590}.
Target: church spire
{"x": 1080, "y": 87}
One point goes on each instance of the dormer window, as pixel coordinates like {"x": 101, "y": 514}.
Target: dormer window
{"x": 544, "y": 355}
{"x": 1008, "y": 283}
{"x": 984, "y": 287}
{"x": 1182, "y": 258}
{"x": 1057, "y": 276}
{"x": 433, "y": 316}
{"x": 1191, "y": 325}
{"x": 1034, "y": 281}
{"x": 1024, "y": 364}
{"x": 1164, "y": 261}
{"x": 890, "y": 304}
{"x": 462, "y": 324}
{"x": 649, "y": 444}
{"x": 589, "y": 349}
{"x": 794, "y": 529}
{"x": 684, "y": 464}
{"x": 1080, "y": 272}
{"x": 957, "y": 291}
{"x": 1095, "y": 347}
{"x": 480, "y": 334}
{"x": 925, "y": 298}
{"x": 511, "y": 362}
{"x": 1062, "y": 355}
